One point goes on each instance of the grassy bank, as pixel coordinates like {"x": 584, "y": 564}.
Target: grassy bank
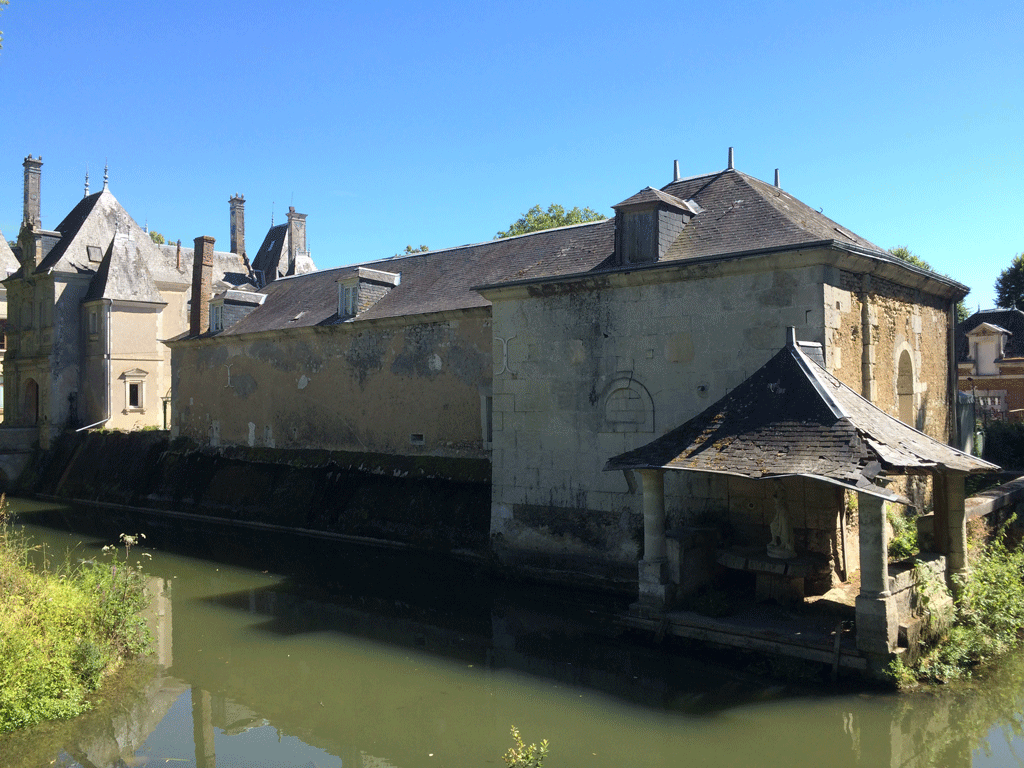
{"x": 987, "y": 616}
{"x": 63, "y": 629}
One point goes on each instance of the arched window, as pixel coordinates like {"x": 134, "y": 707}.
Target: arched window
{"x": 905, "y": 389}
{"x": 628, "y": 408}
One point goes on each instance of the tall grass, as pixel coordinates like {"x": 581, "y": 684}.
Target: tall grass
{"x": 63, "y": 630}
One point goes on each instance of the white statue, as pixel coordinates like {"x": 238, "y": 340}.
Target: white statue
{"x": 783, "y": 543}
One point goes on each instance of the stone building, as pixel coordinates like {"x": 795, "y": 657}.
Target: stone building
{"x": 990, "y": 362}
{"x": 8, "y": 266}
{"x": 90, "y": 305}
{"x": 551, "y": 352}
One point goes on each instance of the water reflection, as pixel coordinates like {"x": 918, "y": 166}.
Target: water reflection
{"x": 256, "y": 669}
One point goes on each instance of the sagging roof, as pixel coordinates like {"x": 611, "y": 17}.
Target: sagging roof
{"x": 791, "y": 417}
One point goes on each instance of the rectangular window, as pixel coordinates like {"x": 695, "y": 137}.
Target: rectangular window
{"x": 134, "y": 394}
{"x": 217, "y": 317}
{"x": 93, "y": 322}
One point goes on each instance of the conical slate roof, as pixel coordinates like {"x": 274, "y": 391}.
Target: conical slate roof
{"x": 123, "y": 274}
{"x": 791, "y": 417}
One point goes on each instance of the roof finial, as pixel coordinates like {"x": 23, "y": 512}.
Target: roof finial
{"x": 86, "y": 182}
{"x": 732, "y": 165}
{"x": 106, "y": 175}
{"x": 271, "y": 213}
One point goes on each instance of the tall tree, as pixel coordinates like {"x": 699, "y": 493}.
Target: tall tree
{"x": 157, "y": 238}
{"x": 555, "y": 216}
{"x": 905, "y": 254}
{"x": 1010, "y": 285}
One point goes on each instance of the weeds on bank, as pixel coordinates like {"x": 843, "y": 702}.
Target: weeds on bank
{"x": 62, "y": 631}
{"x": 988, "y": 616}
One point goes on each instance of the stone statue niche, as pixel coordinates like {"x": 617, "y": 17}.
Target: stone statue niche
{"x": 783, "y": 542}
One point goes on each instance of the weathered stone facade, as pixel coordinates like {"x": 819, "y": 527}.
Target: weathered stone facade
{"x": 412, "y": 386}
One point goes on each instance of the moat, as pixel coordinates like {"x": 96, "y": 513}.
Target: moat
{"x": 281, "y": 652}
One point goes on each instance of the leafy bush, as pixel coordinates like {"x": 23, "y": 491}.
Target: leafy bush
{"x": 62, "y": 632}
{"x": 988, "y": 618}
{"x": 903, "y": 542}
{"x": 525, "y": 756}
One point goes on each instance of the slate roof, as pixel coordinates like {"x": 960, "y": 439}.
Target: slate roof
{"x": 652, "y": 195}
{"x": 434, "y": 281}
{"x": 123, "y": 274}
{"x": 734, "y": 214}
{"x": 791, "y": 417}
{"x": 1010, "y": 319}
{"x": 742, "y": 213}
{"x": 8, "y": 261}
{"x": 229, "y": 269}
{"x": 268, "y": 257}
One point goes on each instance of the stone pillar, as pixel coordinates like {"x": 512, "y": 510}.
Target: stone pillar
{"x": 951, "y": 523}
{"x": 877, "y": 620}
{"x": 655, "y": 589}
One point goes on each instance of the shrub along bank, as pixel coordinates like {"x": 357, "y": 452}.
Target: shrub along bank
{"x": 987, "y": 618}
{"x": 63, "y": 630}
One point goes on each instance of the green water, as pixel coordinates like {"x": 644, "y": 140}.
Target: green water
{"x": 258, "y": 669}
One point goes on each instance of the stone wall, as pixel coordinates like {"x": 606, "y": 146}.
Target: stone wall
{"x": 589, "y": 369}
{"x": 406, "y": 387}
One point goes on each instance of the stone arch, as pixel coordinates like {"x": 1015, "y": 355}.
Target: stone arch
{"x": 905, "y": 388}
{"x": 628, "y": 407}
{"x": 30, "y": 402}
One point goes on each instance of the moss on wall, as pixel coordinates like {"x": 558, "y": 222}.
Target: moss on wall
{"x": 429, "y": 502}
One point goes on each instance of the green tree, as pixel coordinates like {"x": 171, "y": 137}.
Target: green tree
{"x": 409, "y": 249}
{"x": 905, "y": 254}
{"x": 555, "y": 216}
{"x": 1010, "y": 285}
{"x": 157, "y": 238}
{"x": 2, "y": 3}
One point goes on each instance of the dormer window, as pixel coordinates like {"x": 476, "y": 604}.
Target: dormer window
{"x": 988, "y": 342}
{"x": 648, "y": 223}
{"x": 217, "y": 317}
{"x": 360, "y": 291}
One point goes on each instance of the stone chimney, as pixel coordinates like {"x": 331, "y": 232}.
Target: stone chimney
{"x": 296, "y": 237}
{"x": 33, "y": 174}
{"x": 237, "y": 204}
{"x": 202, "y": 284}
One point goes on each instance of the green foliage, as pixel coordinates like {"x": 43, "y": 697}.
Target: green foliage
{"x": 410, "y": 249}
{"x": 2, "y": 3}
{"x": 1010, "y": 285}
{"x": 157, "y": 238}
{"x": 535, "y": 219}
{"x": 63, "y": 631}
{"x": 904, "y": 253}
{"x": 988, "y": 615}
{"x": 525, "y": 756}
{"x": 903, "y": 542}
{"x": 1004, "y": 444}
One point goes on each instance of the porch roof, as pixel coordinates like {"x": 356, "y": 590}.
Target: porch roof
{"x": 791, "y": 417}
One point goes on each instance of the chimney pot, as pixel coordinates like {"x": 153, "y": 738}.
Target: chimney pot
{"x": 676, "y": 176}
{"x": 777, "y": 179}
{"x": 791, "y": 336}
{"x": 732, "y": 165}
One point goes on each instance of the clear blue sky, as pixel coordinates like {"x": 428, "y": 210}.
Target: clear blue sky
{"x": 394, "y": 123}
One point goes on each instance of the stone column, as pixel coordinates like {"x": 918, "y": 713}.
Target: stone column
{"x": 655, "y": 589}
{"x": 951, "y": 523}
{"x": 877, "y": 620}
